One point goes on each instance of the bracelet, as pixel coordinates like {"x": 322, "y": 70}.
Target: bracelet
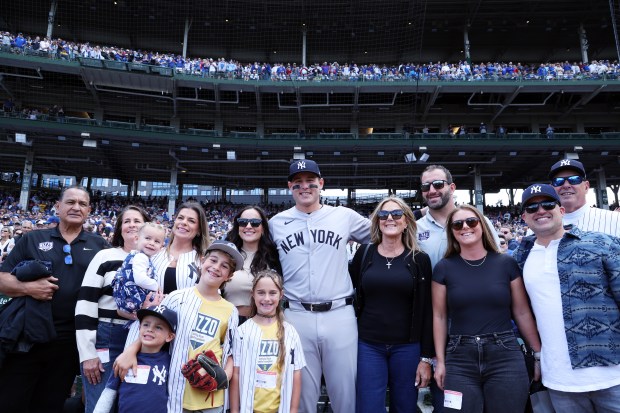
{"x": 426, "y": 360}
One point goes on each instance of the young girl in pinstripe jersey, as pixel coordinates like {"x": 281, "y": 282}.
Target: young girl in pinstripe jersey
{"x": 267, "y": 354}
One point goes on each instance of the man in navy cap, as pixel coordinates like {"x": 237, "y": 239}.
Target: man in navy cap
{"x": 312, "y": 244}
{"x": 568, "y": 177}
{"x": 572, "y": 278}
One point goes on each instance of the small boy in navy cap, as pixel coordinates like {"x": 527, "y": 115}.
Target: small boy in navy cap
{"x": 148, "y": 389}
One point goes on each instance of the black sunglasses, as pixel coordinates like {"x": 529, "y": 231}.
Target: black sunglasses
{"x": 438, "y": 184}
{"x": 546, "y": 205}
{"x": 255, "y": 222}
{"x": 396, "y": 214}
{"x": 573, "y": 180}
{"x": 471, "y": 222}
{"x": 68, "y": 258}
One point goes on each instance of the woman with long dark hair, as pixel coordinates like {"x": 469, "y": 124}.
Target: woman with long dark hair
{"x": 250, "y": 233}
{"x": 177, "y": 266}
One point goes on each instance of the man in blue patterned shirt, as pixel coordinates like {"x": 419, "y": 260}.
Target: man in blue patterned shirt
{"x": 573, "y": 280}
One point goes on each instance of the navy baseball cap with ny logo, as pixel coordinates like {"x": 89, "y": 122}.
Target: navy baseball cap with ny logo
{"x": 303, "y": 165}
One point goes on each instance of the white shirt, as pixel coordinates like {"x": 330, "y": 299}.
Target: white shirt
{"x": 540, "y": 275}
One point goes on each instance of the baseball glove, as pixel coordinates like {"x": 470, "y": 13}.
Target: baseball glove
{"x": 203, "y": 372}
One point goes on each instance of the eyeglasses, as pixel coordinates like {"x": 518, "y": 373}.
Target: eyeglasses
{"x": 502, "y": 243}
{"x": 68, "y": 258}
{"x": 573, "y": 180}
{"x": 471, "y": 222}
{"x": 396, "y": 214}
{"x": 438, "y": 184}
{"x": 546, "y": 205}
{"x": 255, "y": 222}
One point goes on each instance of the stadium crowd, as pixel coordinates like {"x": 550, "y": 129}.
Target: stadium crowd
{"x": 105, "y": 209}
{"x": 222, "y": 68}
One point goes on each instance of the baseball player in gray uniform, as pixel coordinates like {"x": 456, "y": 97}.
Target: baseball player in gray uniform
{"x": 311, "y": 240}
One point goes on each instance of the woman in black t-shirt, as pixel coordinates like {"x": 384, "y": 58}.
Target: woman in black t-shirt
{"x": 476, "y": 291}
{"x": 392, "y": 279}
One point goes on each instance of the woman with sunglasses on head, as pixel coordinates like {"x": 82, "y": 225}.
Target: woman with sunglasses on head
{"x": 392, "y": 279}
{"x": 177, "y": 266}
{"x": 480, "y": 365}
{"x": 250, "y": 234}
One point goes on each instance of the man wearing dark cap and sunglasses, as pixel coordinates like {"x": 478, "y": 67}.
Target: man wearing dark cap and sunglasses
{"x": 568, "y": 177}
{"x": 40, "y": 379}
{"x": 572, "y": 278}
{"x": 312, "y": 245}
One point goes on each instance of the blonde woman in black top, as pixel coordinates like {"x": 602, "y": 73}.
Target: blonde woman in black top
{"x": 392, "y": 280}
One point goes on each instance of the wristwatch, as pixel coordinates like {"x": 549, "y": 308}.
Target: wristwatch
{"x": 427, "y": 360}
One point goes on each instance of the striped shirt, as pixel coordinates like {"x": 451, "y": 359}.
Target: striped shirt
{"x": 594, "y": 219}
{"x": 95, "y": 299}
{"x": 246, "y": 352}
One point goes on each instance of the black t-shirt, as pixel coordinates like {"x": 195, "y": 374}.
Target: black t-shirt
{"x": 478, "y": 298}
{"x": 47, "y": 245}
{"x": 388, "y": 300}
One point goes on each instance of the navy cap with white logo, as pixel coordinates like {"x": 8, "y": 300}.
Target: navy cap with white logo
{"x": 535, "y": 190}
{"x": 161, "y": 312}
{"x": 567, "y": 164}
{"x": 303, "y": 165}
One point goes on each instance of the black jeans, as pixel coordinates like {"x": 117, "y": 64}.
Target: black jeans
{"x": 489, "y": 370}
{"x": 39, "y": 381}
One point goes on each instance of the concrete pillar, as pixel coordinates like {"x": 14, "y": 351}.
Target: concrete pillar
{"x": 579, "y": 127}
{"x": 583, "y": 43}
{"x": 50, "y": 18}
{"x": 466, "y": 46}
{"x": 175, "y": 123}
{"x": 260, "y": 129}
{"x": 601, "y": 189}
{"x": 478, "y": 198}
{"x": 172, "y": 195}
{"x": 304, "y": 47}
{"x": 24, "y": 194}
{"x": 99, "y": 115}
{"x": 188, "y": 24}
{"x": 219, "y": 126}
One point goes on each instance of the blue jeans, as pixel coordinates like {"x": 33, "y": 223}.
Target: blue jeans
{"x": 489, "y": 370}
{"x": 110, "y": 336}
{"x": 383, "y": 365}
{"x": 599, "y": 401}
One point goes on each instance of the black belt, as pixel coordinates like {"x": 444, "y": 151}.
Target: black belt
{"x": 319, "y": 307}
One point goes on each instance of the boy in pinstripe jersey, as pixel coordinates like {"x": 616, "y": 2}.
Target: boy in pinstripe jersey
{"x": 205, "y": 322}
